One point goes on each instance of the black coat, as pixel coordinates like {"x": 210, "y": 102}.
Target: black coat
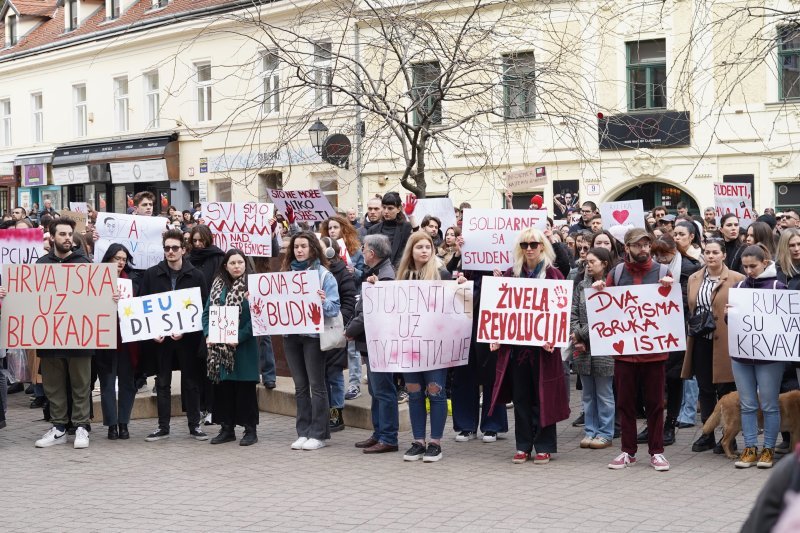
{"x": 402, "y": 231}
{"x": 355, "y": 328}
{"x": 347, "y": 302}
{"x": 208, "y": 261}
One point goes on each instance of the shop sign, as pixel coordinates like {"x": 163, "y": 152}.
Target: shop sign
{"x": 145, "y": 171}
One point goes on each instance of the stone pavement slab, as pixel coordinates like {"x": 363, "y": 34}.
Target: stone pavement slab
{"x": 185, "y": 485}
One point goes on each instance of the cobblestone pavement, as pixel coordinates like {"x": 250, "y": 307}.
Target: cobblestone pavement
{"x": 184, "y": 485}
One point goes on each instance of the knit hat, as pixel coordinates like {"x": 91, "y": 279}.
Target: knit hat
{"x": 537, "y": 201}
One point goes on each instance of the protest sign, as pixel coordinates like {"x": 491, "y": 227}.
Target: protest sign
{"x": 490, "y": 234}
{"x": 441, "y": 208}
{"x": 284, "y": 303}
{"x": 343, "y": 253}
{"x": 309, "y": 205}
{"x": 139, "y": 234}
{"x": 80, "y": 207}
{"x": 65, "y": 306}
{"x": 412, "y": 326}
{"x": 79, "y": 218}
{"x": 764, "y": 324}
{"x": 160, "y": 315}
{"x": 526, "y": 180}
{"x": 243, "y": 225}
{"x": 619, "y": 217}
{"x": 523, "y": 311}
{"x": 636, "y": 319}
{"x": 734, "y": 198}
{"x": 125, "y": 288}
{"x": 20, "y": 246}
{"x": 223, "y": 324}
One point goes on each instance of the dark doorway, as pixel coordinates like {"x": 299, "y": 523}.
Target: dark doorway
{"x": 653, "y": 194}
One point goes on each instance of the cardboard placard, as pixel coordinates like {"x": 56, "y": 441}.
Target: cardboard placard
{"x": 764, "y": 324}
{"x": 242, "y": 225}
{"x": 525, "y": 312}
{"x": 526, "y": 180}
{"x": 490, "y": 234}
{"x": 412, "y": 326}
{"x": 309, "y": 205}
{"x": 160, "y": 315}
{"x": 19, "y": 246}
{"x": 141, "y": 235}
{"x": 223, "y": 324}
{"x": 79, "y": 218}
{"x": 734, "y": 198}
{"x": 636, "y": 319}
{"x": 619, "y": 217}
{"x": 285, "y": 303}
{"x": 59, "y": 306}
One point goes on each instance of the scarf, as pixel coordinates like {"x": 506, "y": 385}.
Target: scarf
{"x": 223, "y": 355}
{"x": 638, "y": 270}
{"x": 675, "y": 266}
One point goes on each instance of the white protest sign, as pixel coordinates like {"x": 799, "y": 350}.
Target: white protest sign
{"x": 524, "y": 311}
{"x": 223, "y": 324}
{"x": 764, "y": 324}
{"x": 619, "y": 217}
{"x": 734, "y": 198}
{"x": 125, "y": 288}
{"x": 19, "y": 246}
{"x": 412, "y": 326}
{"x": 309, "y": 205}
{"x": 343, "y": 253}
{"x": 490, "y": 234}
{"x": 636, "y": 319}
{"x": 285, "y": 303}
{"x": 243, "y": 225}
{"x": 160, "y": 315}
{"x": 441, "y": 208}
{"x": 80, "y": 207}
{"x": 139, "y": 234}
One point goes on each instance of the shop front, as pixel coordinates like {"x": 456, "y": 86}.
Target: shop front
{"x": 8, "y": 186}
{"x": 35, "y": 182}
{"x": 107, "y": 174}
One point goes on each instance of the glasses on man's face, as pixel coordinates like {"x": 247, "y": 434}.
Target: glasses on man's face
{"x": 583, "y": 249}
{"x": 586, "y": 211}
{"x": 171, "y": 248}
{"x": 533, "y": 245}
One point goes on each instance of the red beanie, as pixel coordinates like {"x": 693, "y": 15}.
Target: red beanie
{"x": 537, "y": 201}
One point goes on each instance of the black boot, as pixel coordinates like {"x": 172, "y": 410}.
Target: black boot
{"x": 669, "y": 431}
{"x": 226, "y": 434}
{"x": 336, "y": 422}
{"x": 704, "y": 443}
{"x": 250, "y": 436}
{"x": 643, "y": 436}
{"x": 123, "y": 432}
{"x": 113, "y": 434}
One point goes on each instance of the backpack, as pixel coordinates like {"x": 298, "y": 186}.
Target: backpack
{"x": 663, "y": 270}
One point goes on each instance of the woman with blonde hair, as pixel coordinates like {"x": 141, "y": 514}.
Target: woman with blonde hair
{"x": 537, "y": 381}
{"x": 787, "y": 258}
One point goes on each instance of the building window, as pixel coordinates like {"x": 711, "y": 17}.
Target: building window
{"x": 80, "y": 116}
{"x": 323, "y": 74}
{"x": 153, "y": 99}
{"x": 789, "y": 59}
{"x": 11, "y": 24}
{"x": 647, "y": 74}
{"x": 5, "y": 122}
{"x": 72, "y": 14}
{"x": 426, "y": 94}
{"x": 203, "y": 91}
{"x": 113, "y": 9}
{"x": 121, "y": 108}
{"x": 38, "y": 117}
{"x": 271, "y": 82}
{"x": 518, "y": 85}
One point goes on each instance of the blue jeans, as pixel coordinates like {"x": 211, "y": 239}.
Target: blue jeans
{"x": 335, "y": 383}
{"x": 385, "y": 416}
{"x": 267, "y": 357}
{"x": 691, "y": 392}
{"x": 598, "y": 406}
{"x": 353, "y": 365}
{"x": 428, "y": 384}
{"x": 759, "y": 383}
{"x": 465, "y": 394}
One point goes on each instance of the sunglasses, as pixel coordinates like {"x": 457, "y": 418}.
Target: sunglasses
{"x": 171, "y": 248}
{"x": 583, "y": 248}
{"x": 533, "y": 245}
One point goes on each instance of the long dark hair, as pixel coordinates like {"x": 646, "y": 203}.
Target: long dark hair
{"x": 223, "y": 272}
{"x": 314, "y": 248}
{"x": 603, "y": 255}
{"x": 112, "y": 251}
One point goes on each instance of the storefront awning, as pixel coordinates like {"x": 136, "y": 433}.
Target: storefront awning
{"x": 40, "y": 158}
{"x": 114, "y": 149}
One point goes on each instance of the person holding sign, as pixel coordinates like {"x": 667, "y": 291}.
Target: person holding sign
{"x": 707, "y": 357}
{"x": 233, "y": 368}
{"x": 419, "y": 262}
{"x": 758, "y": 381}
{"x": 643, "y": 372}
{"x": 115, "y": 368}
{"x": 181, "y": 350}
{"x": 596, "y": 372}
{"x": 537, "y": 375}
{"x": 303, "y": 353}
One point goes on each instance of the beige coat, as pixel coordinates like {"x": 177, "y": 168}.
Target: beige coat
{"x": 722, "y": 372}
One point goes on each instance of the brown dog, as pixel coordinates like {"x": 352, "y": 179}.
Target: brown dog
{"x": 728, "y": 414}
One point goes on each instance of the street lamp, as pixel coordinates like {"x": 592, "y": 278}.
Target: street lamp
{"x": 318, "y": 132}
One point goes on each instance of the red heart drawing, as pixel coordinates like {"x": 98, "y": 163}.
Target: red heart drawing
{"x": 664, "y": 291}
{"x": 620, "y": 216}
{"x": 618, "y": 346}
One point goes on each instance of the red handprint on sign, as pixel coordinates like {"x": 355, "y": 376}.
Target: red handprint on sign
{"x": 561, "y": 297}
{"x": 315, "y": 315}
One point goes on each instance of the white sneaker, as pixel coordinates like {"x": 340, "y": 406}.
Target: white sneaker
{"x": 81, "y": 438}
{"x": 51, "y": 438}
{"x": 298, "y": 444}
{"x": 489, "y": 436}
{"x": 313, "y": 444}
{"x": 465, "y": 436}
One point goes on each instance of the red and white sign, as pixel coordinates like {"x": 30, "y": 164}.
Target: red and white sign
{"x": 734, "y": 198}
{"x": 242, "y": 225}
{"x": 619, "y": 217}
{"x": 309, "y": 205}
{"x": 283, "y": 303}
{"x": 19, "y": 246}
{"x": 490, "y": 234}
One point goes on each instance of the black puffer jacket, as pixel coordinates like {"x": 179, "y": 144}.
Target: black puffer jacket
{"x": 347, "y": 301}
